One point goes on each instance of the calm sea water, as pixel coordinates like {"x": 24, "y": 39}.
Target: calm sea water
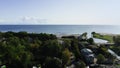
{"x": 67, "y": 29}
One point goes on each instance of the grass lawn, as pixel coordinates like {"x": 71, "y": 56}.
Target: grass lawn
{"x": 109, "y": 38}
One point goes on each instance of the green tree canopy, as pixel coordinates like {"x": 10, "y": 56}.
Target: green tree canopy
{"x": 80, "y": 64}
{"x": 53, "y": 63}
{"x": 66, "y": 57}
{"x": 100, "y": 59}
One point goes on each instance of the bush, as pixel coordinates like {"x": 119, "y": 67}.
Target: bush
{"x": 100, "y": 59}
{"x": 80, "y": 64}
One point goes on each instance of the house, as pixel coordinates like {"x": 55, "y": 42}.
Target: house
{"x": 88, "y": 55}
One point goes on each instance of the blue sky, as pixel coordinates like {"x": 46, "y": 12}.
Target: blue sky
{"x": 60, "y": 12}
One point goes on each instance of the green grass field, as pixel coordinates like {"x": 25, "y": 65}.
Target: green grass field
{"x": 109, "y": 38}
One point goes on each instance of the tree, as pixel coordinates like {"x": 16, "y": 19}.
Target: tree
{"x": 51, "y": 48}
{"x": 116, "y": 39}
{"x": 45, "y": 37}
{"x": 66, "y": 57}
{"x": 116, "y": 49}
{"x": 90, "y": 41}
{"x": 23, "y": 50}
{"x": 104, "y": 51}
{"x": 66, "y": 43}
{"x": 100, "y": 59}
{"x": 111, "y": 58}
{"x": 22, "y": 34}
{"x": 80, "y": 64}
{"x": 75, "y": 48}
{"x": 53, "y": 63}
{"x": 14, "y": 54}
{"x": 93, "y": 33}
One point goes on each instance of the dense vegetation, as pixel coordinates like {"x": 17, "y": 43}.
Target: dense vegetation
{"x": 25, "y": 50}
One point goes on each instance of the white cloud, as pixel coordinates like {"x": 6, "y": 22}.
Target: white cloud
{"x": 32, "y": 20}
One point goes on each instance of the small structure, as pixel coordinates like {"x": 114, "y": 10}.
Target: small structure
{"x": 88, "y": 55}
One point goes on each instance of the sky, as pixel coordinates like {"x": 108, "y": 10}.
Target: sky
{"x": 81, "y": 12}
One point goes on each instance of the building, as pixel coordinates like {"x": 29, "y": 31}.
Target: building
{"x": 88, "y": 55}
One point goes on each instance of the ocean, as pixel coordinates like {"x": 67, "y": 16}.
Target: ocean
{"x": 63, "y": 29}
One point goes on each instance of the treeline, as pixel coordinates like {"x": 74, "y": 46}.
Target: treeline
{"x": 25, "y": 50}
{"x": 23, "y": 34}
{"x": 116, "y": 48}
